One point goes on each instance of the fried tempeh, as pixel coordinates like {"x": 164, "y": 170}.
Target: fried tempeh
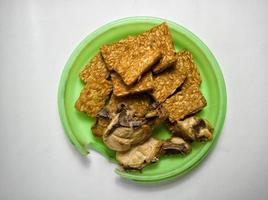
{"x": 129, "y": 58}
{"x": 95, "y": 69}
{"x": 121, "y": 89}
{"x": 160, "y": 38}
{"x": 185, "y": 59}
{"x": 184, "y": 103}
{"x": 93, "y": 96}
{"x": 166, "y": 83}
{"x": 124, "y": 56}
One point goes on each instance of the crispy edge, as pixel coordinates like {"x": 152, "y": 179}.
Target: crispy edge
{"x": 157, "y": 38}
{"x": 92, "y": 98}
{"x": 165, "y": 43}
{"x": 95, "y": 69}
{"x": 166, "y": 62}
{"x": 131, "y": 71}
{"x": 130, "y": 57}
{"x": 193, "y": 75}
{"x": 110, "y": 52}
{"x": 121, "y": 89}
{"x": 184, "y": 103}
{"x": 166, "y": 83}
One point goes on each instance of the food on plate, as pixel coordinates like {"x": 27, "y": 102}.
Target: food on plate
{"x": 121, "y": 89}
{"x": 126, "y": 130}
{"x": 184, "y": 103}
{"x": 130, "y": 59}
{"x": 156, "y": 114}
{"x": 138, "y": 103}
{"x": 185, "y": 59}
{"x": 141, "y": 155}
{"x": 150, "y": 151}
{"x": 192, "y": 129}
{"x": 95, "y": 69}
{"x": 160, "y": 38}
{"x": 93, "y": 96}
{"x": 136, "y": 84}
{"x": 143, "y": 51}
{"x": 176, "y": 145}
{"x": 103, "y": 119}
{"x": 204, "y": 130}
{"x": 166, "y": 83}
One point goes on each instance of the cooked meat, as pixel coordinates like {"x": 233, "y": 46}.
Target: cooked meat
{"x": 139, "y": 103}
{"x": 204, "y": 130}
{"x": 123, "y": 138}
{"x": 156, "y": 114}
{"x": 103, "y": 113}
{"x": 184, "y": 128}
{"x": 126, "y": 130}
{"x": 127, "y": 117}
{"x": 150, "y": 151}
{"x": 141, "y": 155}
{"x": 176, "y": 145}
{"x": 192, "y": 129}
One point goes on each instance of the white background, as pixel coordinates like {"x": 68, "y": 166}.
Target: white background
{"x": 36, "y": 159}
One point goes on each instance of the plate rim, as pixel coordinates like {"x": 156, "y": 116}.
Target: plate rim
{"x": 199, "y": 44}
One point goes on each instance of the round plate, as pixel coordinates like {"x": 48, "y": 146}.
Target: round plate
{"x": 77, "y": 125}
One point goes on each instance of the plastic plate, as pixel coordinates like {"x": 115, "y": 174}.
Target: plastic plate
{"x": 77, "y": 125}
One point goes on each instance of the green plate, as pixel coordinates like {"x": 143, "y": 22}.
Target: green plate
{"x": 77, "y": 125}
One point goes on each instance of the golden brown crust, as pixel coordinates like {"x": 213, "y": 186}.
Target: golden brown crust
{"x": 160, "y": 38}
{"x": 144, "y": 50}
{"x": 185, "y": 59}
{"x": 121, "y": 89}
{"x": 129, "y": 58}
{"x": 184, "y": 103}
{"x": 166, "y": 62}
{"x": 95, "y": 69}
{"x": 92, "y": 98}
{"x": 166, "y": 83}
